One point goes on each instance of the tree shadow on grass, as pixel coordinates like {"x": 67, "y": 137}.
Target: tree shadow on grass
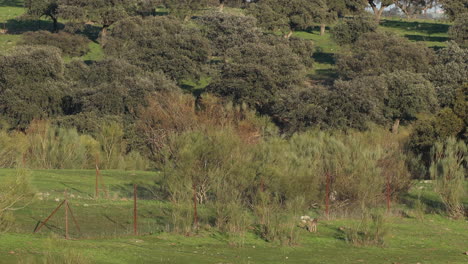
{"x": 144, "y": 191}
{"x": 325, "y": 76}
{"x": 316, "y": 29}
{"x": 324, "y": 57}
{"x": 114, "y": 221}
{"x": 19, "y": 26}
{"x": 431, "y": 205}
{"x": 426, "y": 38}
{"x": 22, "y": 25}
{"x": 12, "y": 3}
{"x": 426, "y": 27}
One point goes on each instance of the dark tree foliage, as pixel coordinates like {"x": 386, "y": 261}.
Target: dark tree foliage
{"x": 379, "y": 99}
{"x": 348, "y": 31}
{"x": 300, "y": 108}
{"x": 435, "y": 128}
{"x": 146, "y": 7}
{"x": 357, "y": 103}
{"x": 103, "y": 12}
{"x": 346, "y": 7}
{"x": 454, "y": 8}
{"x": 47, "y": 8}
{"x": 304, "y": 49}
{"x": 31, "y": 84}
{"x": 256, "y": 72}
{"x": 226, "y": 31}
{"x": 460, "y": 107}
{"x": 160, "y": 44}
{"x": 71, "y": 45}
{"x": 459, "y": 31}
{"x": 449, "y": 72}
{"x": 378, "y": 53}
{"x": 184, "y": 8}
{"x": 113, "y": 87}
{"x": 289, "y": 15}
{"x": 408, "y": 94}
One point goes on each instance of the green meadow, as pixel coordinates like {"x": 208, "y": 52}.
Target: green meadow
{"x": 107, "y": 229}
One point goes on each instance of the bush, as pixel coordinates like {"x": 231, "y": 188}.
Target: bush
{"x": 14, "y": 193}
{"x": 12, "y": 147}
{"x": 449, "y": 72}
{"x": 70, "y": 44}
{"x": 51, "y": 147}
{"x": 31, "y": 84}
{"x": 46, "y": 146}
{"x": 348, "y": 31}
{"x": 459, "y": 30}
{"x": 370, "y": 231}
{"x": 376, "y": 53}
{"x": 449, "y": 159}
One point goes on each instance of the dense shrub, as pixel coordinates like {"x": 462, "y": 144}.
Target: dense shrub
{"x": 71, "y": 45}
{"x": 376, "y": 53}
{"x": 449, "y": 72}
{"x": 348, "y": 31}
{"x": 226, "y": 31}
{"x": 160, "y": 44}
{"x": 31, "y": 84}
{"x": 278, "y": 179}
{"x": 448, "y": 168}
{"x": 176, "y": 113}
{"x": 370, "y": 231}
{"x": 45, "y": 146}
{"x": 257, "y": 72}
{"x": 459, "y": 30}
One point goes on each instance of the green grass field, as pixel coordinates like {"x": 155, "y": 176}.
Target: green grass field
{"x": 106, "y": 226}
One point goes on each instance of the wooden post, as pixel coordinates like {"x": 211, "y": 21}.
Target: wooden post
{"x": 66, "y": 216}
{"x": 327, "y": 196}
{"x": 47, "y": 219}
{"x": 96, "y": 194}
{"x": 388, "y": 192}
{"x": 195, "y": 212}
{"x": 135, "y": 210}
{"x": 103, "y": 185}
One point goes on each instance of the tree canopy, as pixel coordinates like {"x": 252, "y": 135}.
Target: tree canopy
{"x": 160, "y": 44}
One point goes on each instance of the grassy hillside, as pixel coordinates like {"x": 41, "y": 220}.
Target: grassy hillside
{"x": 106, "y": 226}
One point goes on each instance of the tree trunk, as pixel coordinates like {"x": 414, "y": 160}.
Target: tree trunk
{"x": 378, "y": 16}
{"x": 135, "y": 210}
{"x": 327, "y": 196}
{"x": 395, "y": 126}
{"x": 377, "y": 11}
{"x": 195, "y": 211}
{"x": 322, "y": 29}
{"x": 388, "y": 193}
{"x": 104, "y": 35}
{"x": 55, "y": 24}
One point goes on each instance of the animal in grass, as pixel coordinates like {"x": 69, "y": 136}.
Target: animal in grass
{"x": 309, "y": 223}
